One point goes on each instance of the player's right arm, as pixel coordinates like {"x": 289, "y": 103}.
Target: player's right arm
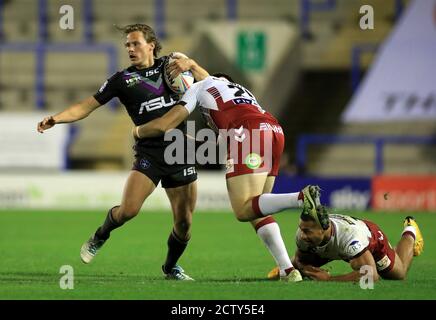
{"x": 81, "y": 110}
{"x": 301, "y": 260}
{"x": 298, "y": 260}
{"x": 364, "y": 259}
{"x": 73, "y": 113}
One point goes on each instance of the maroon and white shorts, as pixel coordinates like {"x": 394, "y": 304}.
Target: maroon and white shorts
{"x": 254, "y": 146}
{"x": 380, "y": 248}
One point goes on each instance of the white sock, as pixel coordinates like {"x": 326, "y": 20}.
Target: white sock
{"x": 410, "y": 229}
{"x": 270, "y": 203}
{"x": 271, "y": 237}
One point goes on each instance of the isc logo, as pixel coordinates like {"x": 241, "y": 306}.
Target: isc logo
{"x": 189, "y": 171}
{"x": 155, "y": 104}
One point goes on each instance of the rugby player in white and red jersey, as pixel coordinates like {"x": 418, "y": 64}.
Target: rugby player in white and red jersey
{"x": 255, "y": 143}
{"x": 326, "y": 237}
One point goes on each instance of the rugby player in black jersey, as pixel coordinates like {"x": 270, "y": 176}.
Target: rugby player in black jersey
{"x": 144, "y": 93}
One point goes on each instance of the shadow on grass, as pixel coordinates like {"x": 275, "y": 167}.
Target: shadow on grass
{"x": 50, "y": 277}
{"x": 235, "y": 280}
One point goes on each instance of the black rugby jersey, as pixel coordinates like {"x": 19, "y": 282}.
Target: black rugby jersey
{"x": 145, "y": 95}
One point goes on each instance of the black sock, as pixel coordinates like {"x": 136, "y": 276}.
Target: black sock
{"x": 103, "y": 232}
{"x": 176, "y": 246}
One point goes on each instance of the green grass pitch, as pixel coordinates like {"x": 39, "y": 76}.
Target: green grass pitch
{"x": 225, "y": 257}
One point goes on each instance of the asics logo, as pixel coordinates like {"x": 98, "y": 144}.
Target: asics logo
{"x": 155, "y": 104}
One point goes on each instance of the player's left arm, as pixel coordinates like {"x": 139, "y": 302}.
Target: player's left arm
{"x": 172, "y": 118}
{"x": 159, "y": 126}
{"x": 364, "y": 259}
{"x": 181, "y": 64}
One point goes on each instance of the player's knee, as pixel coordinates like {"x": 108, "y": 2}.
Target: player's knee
{"x": 183, "y": 219}
{"x": 127, "y": 213}
{"x": 402, "y": 275}
{"x": 184, "y": 224}
{"x": 183, "y": 228}
{"x": 241, "y": 215}
{"x": 242, "y": 218}
{"x": 244, "y": 212}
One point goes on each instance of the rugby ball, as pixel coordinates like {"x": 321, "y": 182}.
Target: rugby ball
{"x": 183, "y": 81}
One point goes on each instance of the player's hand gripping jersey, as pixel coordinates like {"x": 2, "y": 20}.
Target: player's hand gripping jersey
{"x": 224, "y": 104}
{"x": 256, "y": 139}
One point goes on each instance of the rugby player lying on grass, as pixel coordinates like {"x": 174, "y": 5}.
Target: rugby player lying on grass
{"x": 324, "y": 237}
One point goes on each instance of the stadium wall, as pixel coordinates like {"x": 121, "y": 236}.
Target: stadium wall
{"x": 101, "y": 190}
{"x": 380, "y": 192}
{"x": 95, "y": 190}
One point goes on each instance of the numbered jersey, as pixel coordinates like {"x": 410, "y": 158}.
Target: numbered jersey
{"x": 350, "y": 238}
{"x": 223, "y": 104}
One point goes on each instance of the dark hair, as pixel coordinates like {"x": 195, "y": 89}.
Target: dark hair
{"x": 321, "y": 218}
{"x": 147, "y": 31}
{"x": 223, "y": 75}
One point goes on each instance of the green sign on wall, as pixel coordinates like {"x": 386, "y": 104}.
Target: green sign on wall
{"x": 251, "y": 50}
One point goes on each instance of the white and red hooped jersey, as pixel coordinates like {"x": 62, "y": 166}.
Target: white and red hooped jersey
{"x": 224, "y": 104}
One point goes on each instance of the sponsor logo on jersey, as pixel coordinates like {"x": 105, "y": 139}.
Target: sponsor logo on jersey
{"x": 139, "y": 77}
{"x": 156, "y": 103}
{"x": 253, "y": 161}
{"x": 155, "y": 86}
{"x": 354, "y": 248}
{"x": 188, "y": 171}
{"x": 242, "y": 101}
{"x": 230, "y": 166}
{"x": 264, "y": 126}
{"x": 144, "y": 164}
{"x": 103, "y": 86}
{"x": 240, "y": 134}
{"x": 132, "y": 81}
{"x": 383, "y": 263}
